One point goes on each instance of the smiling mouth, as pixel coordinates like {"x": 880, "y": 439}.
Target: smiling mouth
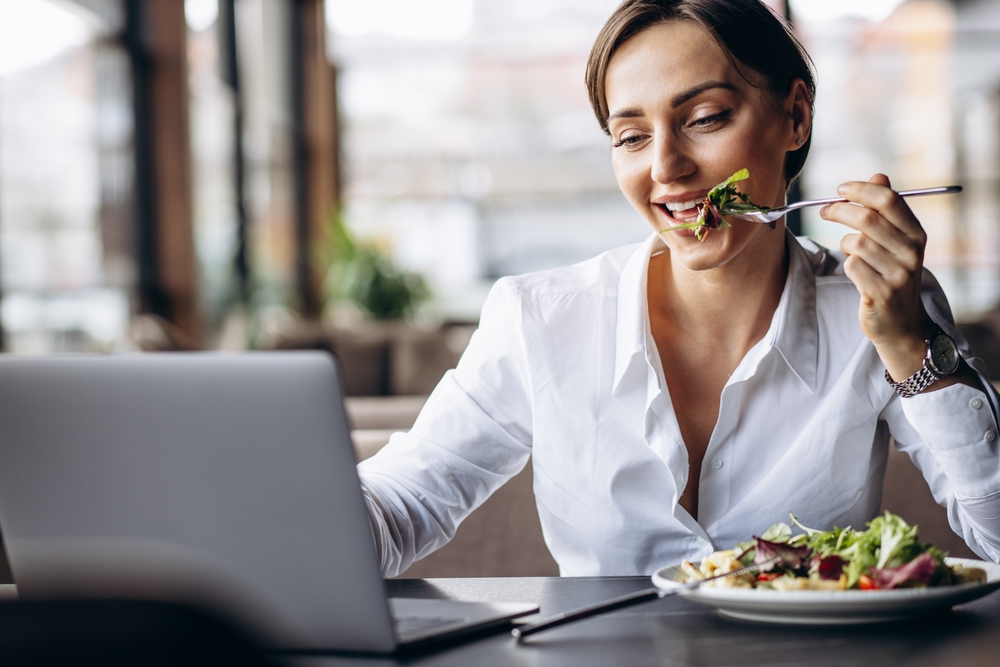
{"x": 682, "y": 212}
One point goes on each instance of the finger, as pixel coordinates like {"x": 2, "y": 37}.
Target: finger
{"x": 881, "y": 198}
{"x": 908, "y": 252}
{"x": 877, "y": 195}
{"x": 880, "y": 179}
{"x": 896, "y": 273}
{"x": 867, "y": 280}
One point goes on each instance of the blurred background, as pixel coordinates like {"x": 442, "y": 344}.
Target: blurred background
{"x": 351, "y": 175}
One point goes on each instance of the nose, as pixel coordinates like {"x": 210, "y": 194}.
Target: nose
{"x": 670, "y": 161}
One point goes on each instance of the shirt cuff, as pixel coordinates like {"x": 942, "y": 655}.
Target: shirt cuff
{"x": 958, "y": 426}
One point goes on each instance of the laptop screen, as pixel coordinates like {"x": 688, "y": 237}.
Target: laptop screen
{"x": 223, "y": 480}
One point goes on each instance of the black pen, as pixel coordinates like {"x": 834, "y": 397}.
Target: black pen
{"x": 625, "y": 601}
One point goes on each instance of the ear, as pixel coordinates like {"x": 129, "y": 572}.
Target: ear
{"x": 799, "y": 110}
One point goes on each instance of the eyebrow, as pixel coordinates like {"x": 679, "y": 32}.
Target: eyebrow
{"x": 698, "y": 90}
{"x": 677, "y": 100}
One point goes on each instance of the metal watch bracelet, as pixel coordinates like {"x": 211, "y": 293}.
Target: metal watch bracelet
{"x": 914, "y": 384}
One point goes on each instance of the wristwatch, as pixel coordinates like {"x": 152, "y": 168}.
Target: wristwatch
{"x": 942, "y": 359}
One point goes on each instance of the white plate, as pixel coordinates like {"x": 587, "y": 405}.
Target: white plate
{"x": 834, "y": 607}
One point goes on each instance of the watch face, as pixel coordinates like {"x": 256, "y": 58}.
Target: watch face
{"x": 944, "y": 354}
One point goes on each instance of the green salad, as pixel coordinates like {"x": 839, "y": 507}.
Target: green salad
{"x": 886, "y": 555}
{"x": 722, "y": 200}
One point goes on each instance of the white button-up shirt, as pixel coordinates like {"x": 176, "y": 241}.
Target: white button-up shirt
{"x": 563, "y": 369}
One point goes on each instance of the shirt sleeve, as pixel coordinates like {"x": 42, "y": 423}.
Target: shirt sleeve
{"x": 951, "y": 436}
{"x": 473, "y": 434}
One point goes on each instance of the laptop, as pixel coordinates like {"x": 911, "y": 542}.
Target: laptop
{"x": 222, "y": 480}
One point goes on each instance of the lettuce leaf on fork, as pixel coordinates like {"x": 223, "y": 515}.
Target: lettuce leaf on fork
{"x": 722, "y": 200}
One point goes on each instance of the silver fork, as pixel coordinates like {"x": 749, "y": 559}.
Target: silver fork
{"x": 775, "y": 213}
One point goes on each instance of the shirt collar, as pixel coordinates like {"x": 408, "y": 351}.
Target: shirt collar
{"x": 631, "y": 325}
{"x": 796, "y": 333}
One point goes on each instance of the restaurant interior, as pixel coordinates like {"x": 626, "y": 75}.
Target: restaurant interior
{"x": 353, "y": 177}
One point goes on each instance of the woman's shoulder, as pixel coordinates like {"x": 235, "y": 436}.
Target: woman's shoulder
{"x": 835, "y": 290}
{"x": 558, "y": 310}
{"x": 828, "y": 266}
{"x": 597, "y": 275}
{"x": 825, "y": 263}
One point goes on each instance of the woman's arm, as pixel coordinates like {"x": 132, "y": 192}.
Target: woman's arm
{"x": 885, "y": 262}
{"x": 473, "y": 434}
{"x": 952, "y": 437}
{"x": 950, "y": 428}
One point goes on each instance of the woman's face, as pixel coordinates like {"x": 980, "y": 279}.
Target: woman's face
{"x": 683, "y": 120}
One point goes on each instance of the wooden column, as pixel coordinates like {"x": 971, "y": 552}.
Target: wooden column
{"x": 229, "y": 57}
{"x": 315, "y": 138}
{"x": 157, "y": 40}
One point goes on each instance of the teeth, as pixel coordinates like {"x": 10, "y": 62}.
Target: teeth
{"x": 682, "y": 206}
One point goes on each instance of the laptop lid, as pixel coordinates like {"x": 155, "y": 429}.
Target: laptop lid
{"x": 223, "y": 480}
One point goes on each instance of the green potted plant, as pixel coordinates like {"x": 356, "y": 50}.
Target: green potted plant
{"x": 363, "y": 273}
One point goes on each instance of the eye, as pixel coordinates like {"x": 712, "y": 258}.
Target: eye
{"x": 709, "y": 121}
{"x": 629, "y": 140}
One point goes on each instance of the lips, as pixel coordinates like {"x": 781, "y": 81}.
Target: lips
{"x": 681, "y": 206}
{"x": 695, "y": 218}
{"x": 687, "y": 214}
{"x": 683, "y": 209}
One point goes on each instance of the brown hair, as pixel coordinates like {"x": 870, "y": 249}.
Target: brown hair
{"x": 748, "y": 32}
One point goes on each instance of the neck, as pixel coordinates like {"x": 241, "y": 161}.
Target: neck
{"x": 732, "y": 305}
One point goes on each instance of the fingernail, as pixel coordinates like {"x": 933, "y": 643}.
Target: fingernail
{"x": 842, "y": 189}
{"x": 822, "y": 211}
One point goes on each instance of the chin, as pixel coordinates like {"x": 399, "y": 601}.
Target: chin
{"x": 717, "y": 250}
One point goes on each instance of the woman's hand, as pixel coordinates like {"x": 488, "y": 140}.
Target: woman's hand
{"x": 885, "y": 262}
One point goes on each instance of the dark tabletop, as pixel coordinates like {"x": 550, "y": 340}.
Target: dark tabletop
{"x": 673, "y": 631}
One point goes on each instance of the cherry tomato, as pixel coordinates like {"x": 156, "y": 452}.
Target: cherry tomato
{"x": 866, "y": 583}
{"x": 767, "y": 576}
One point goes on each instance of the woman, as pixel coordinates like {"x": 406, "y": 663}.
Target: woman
{"x": 679, "y": 396}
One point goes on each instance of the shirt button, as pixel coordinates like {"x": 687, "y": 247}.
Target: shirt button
{"x": 991, "y": 436}
{"x": 717, "y": 463}
{"x": 976, "y": 403}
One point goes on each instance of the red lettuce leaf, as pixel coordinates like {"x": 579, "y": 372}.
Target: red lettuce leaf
{"x": 827, "y": 567}
{"x": 919, "y": 570}
{"x": 791, "y": 557}
{"x": 712, "y": 215}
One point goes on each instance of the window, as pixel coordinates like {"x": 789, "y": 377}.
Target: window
{"x": 65, "y": 177}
